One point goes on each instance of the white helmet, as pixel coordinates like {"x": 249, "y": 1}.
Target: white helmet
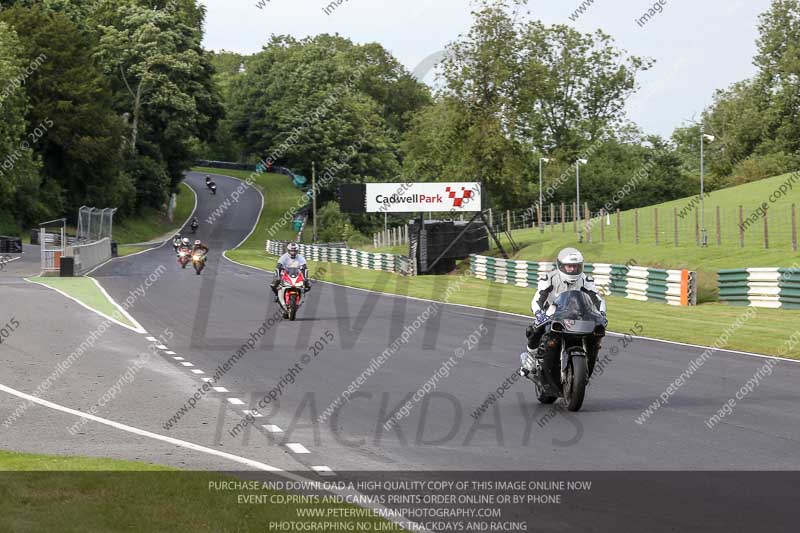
{"x": 185, "y": 241}
{"x": 292, "y": 249}
{"x": 570, "y": 264}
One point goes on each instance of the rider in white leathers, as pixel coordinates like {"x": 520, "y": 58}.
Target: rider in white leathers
{"x": 291, "y": 259}
{"x": 567, "y": 276}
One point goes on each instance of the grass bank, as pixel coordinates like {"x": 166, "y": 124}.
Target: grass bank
{"x": 153, "y": 224}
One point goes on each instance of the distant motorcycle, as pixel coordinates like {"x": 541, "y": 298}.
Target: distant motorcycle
{"x": 290, "y": 291}
{"x": 574, "y": 327}
{"x": 213, "y": 187}
{"x": 194, "y": 226}
{"x": 183, "y": 257}
{"x": 199, "y": 262}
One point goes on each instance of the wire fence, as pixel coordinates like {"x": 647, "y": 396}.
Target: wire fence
{"x": 742, "y": 227}
{"x": 95, "y": 224}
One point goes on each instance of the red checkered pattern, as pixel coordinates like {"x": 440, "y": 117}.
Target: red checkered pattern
{"x": 458, "y": 198}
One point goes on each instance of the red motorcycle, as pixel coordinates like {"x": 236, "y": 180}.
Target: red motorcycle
{"x": 184, "y": 256}
{"x": 290, "y": 291}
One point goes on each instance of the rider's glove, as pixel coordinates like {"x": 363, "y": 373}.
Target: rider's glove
{"x": 605, "y": 320}
{"x": 541, "y": 318}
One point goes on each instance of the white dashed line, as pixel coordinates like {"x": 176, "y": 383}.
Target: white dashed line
{"x": 178, "y": 358}
{"x": 254, "y": 414}
{"x": 220, "y": 389}
{"x": 186, "y": 364}
{"x": 235, "y": 401}
{"x": 272, "y": 428}
{"x": 207, "y": 380}
{"x": 161, "y": 347}
{"x": 141, "y": 432}
{"x": 195, "y": 371}
{"x": 151, "y": 339}
{"x": 169, "y": 352}
{"x": 323, "y": 470}
{"x": 296, "y": 447}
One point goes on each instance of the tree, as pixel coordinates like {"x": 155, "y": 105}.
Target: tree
{"x": 328, "y": 101}
{"x": 513, "y": 90}
{"x": 19, "y": 180}
{"x": 71, "y": 106}
{"x": 152, "y": 50}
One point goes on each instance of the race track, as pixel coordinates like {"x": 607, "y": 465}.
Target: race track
{"x": 213, "y": 314}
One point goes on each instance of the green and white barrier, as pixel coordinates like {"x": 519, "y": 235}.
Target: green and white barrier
{"x": 347, "y": 256}
{"x": 674, "y": 287}
{"x": 761, "y": 287}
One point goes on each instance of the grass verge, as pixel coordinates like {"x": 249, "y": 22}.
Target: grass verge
{"x": 86, "y": 291}
{"x": 47, "y": 493}
{"x": 703, "y": 325}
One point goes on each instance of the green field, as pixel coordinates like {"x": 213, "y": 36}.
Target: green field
{"x": 696, "y": 325}
{"x": 50, "y": 493}
{"x": 153, "y": 224}
{"x": 687, "y": 253}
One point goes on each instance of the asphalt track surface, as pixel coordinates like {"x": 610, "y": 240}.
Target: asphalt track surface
{"x": 210, "y": 316}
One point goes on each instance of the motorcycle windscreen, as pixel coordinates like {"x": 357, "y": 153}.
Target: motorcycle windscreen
{"x": 576, "y": 312}
{"x": 293, "y": 272}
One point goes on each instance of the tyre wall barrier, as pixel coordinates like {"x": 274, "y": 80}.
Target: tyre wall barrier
{"x": 760, "y": 287}
{"x": 348, "y": 256}
{"x": 674, "y": 287}
{"x": 10, "y": 245}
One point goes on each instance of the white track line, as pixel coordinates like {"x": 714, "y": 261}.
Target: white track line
{"x": 127, "y": 315}
{"x": 195, "y": 371}
{"x": 64, "y": 294}
{"x": 296, "y": 447}
{"x": 272, "y": 428}
{"x": 141, "y": 432}
{"x": 235, "y": 401}
{"x": 220, "y": 389}
{"x": 323, "y": 470}
{"x": 186, "y": 363}
{"x": 169, "y": 352}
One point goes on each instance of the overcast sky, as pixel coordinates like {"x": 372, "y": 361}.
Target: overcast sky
{"x": 699, "y": 45}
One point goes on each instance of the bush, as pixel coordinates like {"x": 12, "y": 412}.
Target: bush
{"x": 758, "y": 167}
{"x": 150, "y": 179}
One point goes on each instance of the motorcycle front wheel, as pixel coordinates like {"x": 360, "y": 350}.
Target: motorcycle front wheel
{"x": 292, "y": 306}
{"x": 575, "y": 385}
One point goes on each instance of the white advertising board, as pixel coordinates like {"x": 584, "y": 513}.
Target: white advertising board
{"x": 454, "y": 197}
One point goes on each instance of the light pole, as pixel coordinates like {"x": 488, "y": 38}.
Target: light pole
{"x": 703, "y": 137}
{"x": 578, "y": 164}
{"x": 541, "y": 213}
{"x": 314, "y": 199}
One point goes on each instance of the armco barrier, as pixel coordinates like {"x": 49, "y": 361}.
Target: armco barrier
{"x": 348, "y": 256}
{"x": 674, "y": 287}
{"x": 761, "y": 287}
